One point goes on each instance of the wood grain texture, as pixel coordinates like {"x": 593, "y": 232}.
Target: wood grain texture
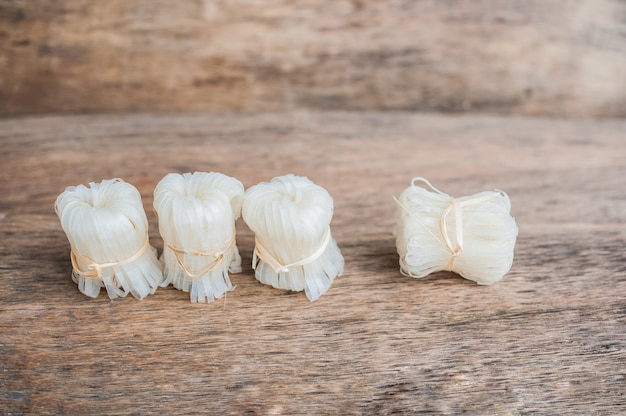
{"x": 549, "y": 57}
{"x": 549, "y": 338}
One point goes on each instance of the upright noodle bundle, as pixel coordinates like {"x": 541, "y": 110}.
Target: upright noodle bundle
{"x": 294, "y": 248}
{"x": 473, "y": 236}
{"x": 197, "y": 213}
{"x": 108, "y": 232}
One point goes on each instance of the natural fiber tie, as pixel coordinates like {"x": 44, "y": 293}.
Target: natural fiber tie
{"x": 218, "y": 258}
{"x": 94, "y": 270}
{"x": 261, "y": 253}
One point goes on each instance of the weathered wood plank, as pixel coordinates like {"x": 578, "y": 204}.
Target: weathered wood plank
{"x": 550, "y": 337}
{"x": 563, "y": 58}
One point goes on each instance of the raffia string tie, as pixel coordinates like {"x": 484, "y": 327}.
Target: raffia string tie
{"x": 218, "y": 257}
{"x": 94, "y": 270}
{"x": 455, "y": 251}
{"x": 261, "y": 253}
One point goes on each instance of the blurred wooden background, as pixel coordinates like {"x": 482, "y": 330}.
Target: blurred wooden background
{"x": 547, "y": 58}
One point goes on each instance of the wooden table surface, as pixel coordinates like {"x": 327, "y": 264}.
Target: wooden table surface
{"x": 548, "y": 338}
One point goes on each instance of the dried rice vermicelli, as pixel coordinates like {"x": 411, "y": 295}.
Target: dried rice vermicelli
{"x": 294, "y": 248}
{"x": 107, "y": 228}
{"x": 473, "y": 236}
{"x": 197, "y": 213}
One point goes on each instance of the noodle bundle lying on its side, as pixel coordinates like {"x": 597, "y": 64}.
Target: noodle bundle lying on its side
{"x": 294, "y": 249}
{"x": 107, "y": 228}
{"x": 473, "y": 236}
{"x": 197, "y": 213}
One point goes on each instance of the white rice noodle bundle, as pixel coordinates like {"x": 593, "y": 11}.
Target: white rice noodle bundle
{"x": 473, "y": 236}
{"x": 107, "y": 228}
{"x": 197, "y": 213}
{"x": 294, "y": 248}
